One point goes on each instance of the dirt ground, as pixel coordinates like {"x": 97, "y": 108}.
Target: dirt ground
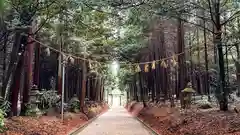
{"x": 195, "y": 121}
{"x": 48, "y": 125}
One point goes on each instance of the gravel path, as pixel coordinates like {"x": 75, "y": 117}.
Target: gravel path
{"x": 116, "y": 121}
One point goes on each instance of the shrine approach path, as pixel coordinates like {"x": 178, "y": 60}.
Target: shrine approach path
{"x": 116, "y": 121}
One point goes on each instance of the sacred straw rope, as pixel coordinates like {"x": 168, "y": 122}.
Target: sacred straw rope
{"x": 121, "y": 63}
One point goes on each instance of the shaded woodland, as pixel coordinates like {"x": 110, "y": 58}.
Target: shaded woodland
{"x": 60, "y": 51}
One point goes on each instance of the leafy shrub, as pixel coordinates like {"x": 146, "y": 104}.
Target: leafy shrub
{"x": 2, "y": 115}
{"x": 91, "y": 112}
{"x": 32, "y": 110}
{"x": 204, "y": 103}
{"x": 28, "y": 111}
{"x": 74, "y": 104}
{"x": 48, "y": 99}
{"x": 5, "y": 105}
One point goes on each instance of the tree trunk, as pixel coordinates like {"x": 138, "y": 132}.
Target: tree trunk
{"x": 191, "y": 61}
{"x": 14, "y": 58}
{"x": 141, "y": 86}
{"x": 206, "y": 63}
{"x": 181, "y": 59}
{"x": 59, "y": 80}
{"x": 156, "y": 76}
{"x": 224, "y": 100}
{"x": 102, "y": 91}
{"x": 88, "y": 88}
{"x": 16, "y": 87}
{"x": 152, "y": 79}
{"x": 30, "y": 58}
{"x": 171, "y": 88}
{"x": 37, "y": 64}
{"x": 28, "y": 71}
{"x": 95, "y": 88}
{"x": 78, "y": 81}
{"x": 237, "y": 63}
{"x": 238, "y": 77}
{"x": 135, "y": 89}
{"x": 4, "y": 55}
{"x": 99, "y": 90}
{"x": 214, "y": 48}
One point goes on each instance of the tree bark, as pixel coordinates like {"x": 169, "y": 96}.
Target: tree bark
{"x": 141, "y": 86}
{"x": 99, "y": 89}
{"x": 37, "y": 65}
{"x": 135, "y": 89}
{"x": 224, "y": 100}
{"x": 14, "y": 58}
{"x": 77, "y": 91}
{"x": 237, "y": 63}
{"x": 181, "y": 59}
{"x": 16, "y": 87}
{"x": 83, "y": 93}
{"x": 206, "y": 63}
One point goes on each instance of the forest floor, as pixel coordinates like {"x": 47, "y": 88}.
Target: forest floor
{"x": 51, "y": 125}
{"x": 195, "y": 121}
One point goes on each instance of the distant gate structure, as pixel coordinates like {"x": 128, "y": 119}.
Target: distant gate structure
{"x": 115, "y": 97}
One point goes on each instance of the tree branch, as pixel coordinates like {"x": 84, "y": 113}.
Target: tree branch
{"x": 45, "y": 7}
{"x": 211, "y": 13}
{"x": 197, "y": 16}
{"x": 100, "y": 10}
{"x": 232, "y": 17}
{"x": 45, "y": 21}
{"x": 127, "y": 5}
{"x": 187, "y": 21}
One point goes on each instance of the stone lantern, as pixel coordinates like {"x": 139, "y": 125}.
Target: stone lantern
{"x": 33, "y": 109}
{"x": 187, "y": 95}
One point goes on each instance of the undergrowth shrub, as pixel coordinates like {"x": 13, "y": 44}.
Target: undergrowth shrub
{"x": 2, "y": 115}
{"x": 74, "y": 104}
{"x": 48, "y": 99}
{"x": 5, "y": 105}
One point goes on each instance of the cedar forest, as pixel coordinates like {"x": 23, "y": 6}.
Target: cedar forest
{"x": 63, "y": 48}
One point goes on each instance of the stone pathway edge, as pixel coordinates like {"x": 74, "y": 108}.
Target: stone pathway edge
{"x": 147, "y": 126}
{"x": 144, "y": 124}
{"x": 81, "y": 127}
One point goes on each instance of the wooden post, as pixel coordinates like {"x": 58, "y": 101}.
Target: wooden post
{"x": 63, "y": 79}
{"x": 82, "y": 99}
